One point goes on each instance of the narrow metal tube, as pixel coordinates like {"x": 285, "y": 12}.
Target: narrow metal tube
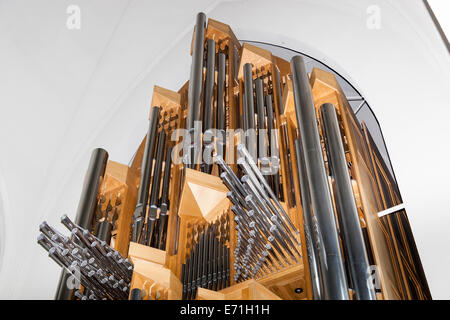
{"x": 262, "y": 137}
{"x": 248, "y": 95}
{"x": 86, "y": 209}
{"x": 249, "y": 108}
{"x": 308, "y": 226}
{"x": 196, "y": 76}
{"x": 88, "y": 199}
{"x": 156, "y": 179}
{"x": 154, "y": 194}
{"x": 209, "y": 84}
{"x": 332, "y": 269}
{"x": 104, "y": 231}
{"x": 278, "y": 85}
{"x": 220, "y": 102}
{"x": 146, "y": 171}
{"x": 349, "y": 223}
{"x": 147, "y": 158}
{"x": 136, "y": 294}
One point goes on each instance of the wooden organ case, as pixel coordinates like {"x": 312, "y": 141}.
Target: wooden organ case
{"x": 186, "y": 231}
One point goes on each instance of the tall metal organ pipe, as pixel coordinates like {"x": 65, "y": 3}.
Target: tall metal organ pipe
{"x": 349, "y": 223}
{"x": 195, "y": 85}
{"x": 312, "y": 245}
{"x": 332, "y": 268}
{"x": 146, "y": 172}
{"x": 86, "y": 209}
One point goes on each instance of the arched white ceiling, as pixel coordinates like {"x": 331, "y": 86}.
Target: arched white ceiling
{"x": 64, "y": 92}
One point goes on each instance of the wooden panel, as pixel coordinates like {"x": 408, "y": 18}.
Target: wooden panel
{"x": 120, "y": 180}
{"x": 247, "y": 290}
{"x": 284, "y": 283}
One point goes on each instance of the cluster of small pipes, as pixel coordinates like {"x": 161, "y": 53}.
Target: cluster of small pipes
{"x": 266, "y": 235}
{"x": 208, "y": 263}
{"x": 101, "y": 270}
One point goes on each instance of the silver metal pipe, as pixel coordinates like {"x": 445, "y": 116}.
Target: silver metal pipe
{"x": 146, "y": 172}
{"x": 332, "y": 269}
{"x": 254, "y": 173}
{"x": 196, "y": 76}
{"x": 209, "y": 85}
{"x": 86, "y": 209}
{"x": 308, "y": 226}
{"x": 349, "y": 223}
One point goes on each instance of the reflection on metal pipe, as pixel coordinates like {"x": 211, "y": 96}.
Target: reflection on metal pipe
{"x": 350, "y": 226}
{"x": 86, "y": 209}
{"x": 196, "y": 77}
{"x": 146, "y": 172}
{"x": 312, "y": 247}
{"x": 332, "y": 269}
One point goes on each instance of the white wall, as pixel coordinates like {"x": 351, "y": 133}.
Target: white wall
{"x": 64, "y": 92}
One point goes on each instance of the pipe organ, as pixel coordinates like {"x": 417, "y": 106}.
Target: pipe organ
{"x": 255, "y": 180}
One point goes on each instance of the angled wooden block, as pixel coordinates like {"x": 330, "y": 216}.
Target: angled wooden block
{"x": 247, "y": 290}
{"x": 259, "y": 58}
{"x": 203, "y": 196}
{"x": 283, "y": 283}
{"x": 120, "y": 180}
{"x": 324, "y": 88}
{"x": 168, "y": 100}
{"x": 220, "y": 32}
{"x": 283, "y": 66}
{"x": 288, "y": 100}
{"x": 140, "y": 251}
{"x": 152, "y": 278}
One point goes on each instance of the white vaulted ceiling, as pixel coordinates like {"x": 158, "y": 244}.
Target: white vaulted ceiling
{"x": 65, "y": 92}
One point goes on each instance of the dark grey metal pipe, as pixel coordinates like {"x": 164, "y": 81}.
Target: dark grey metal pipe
{"x": 85, "y": 210}
{"x": 156, "y": 185}
{"x": 262, "y": 136}
{"x": 349, "y": 223}
{"x": 104, "y": 231}
{"x": 146, "y": 171}
{"x": 196, "y": 76}
{"x": 308, "y": 226}
{"x": 278, "y": 84}
{"x": 332, "y": 269}
{"x": 248, "y": 95}
{"x": 220, "y": 91}
{"x": 88, "y": 199}
{"x": 209, "y": 85}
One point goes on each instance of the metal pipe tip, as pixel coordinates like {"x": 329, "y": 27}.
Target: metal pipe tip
{"x": 240, "y": 160}
{"x": 241, "y": 145}
{"x": 40, "y": 237}
{"x": 43, "y": 225}
{"x": 297, "y": 59}
{"x": 245, "y": 178}
{"x": 201, "y": 15}
{"x": 248, "y": 198}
